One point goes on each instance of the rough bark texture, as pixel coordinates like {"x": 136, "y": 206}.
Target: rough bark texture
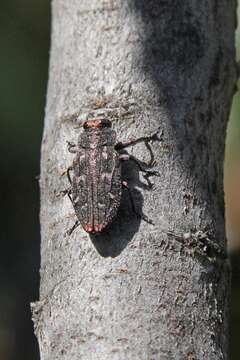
{"x": 139, "y": 291}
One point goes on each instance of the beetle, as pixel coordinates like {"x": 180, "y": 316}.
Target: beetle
{"x": 96, "y": 184}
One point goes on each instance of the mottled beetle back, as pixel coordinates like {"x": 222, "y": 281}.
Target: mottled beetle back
{"x": 96, "y": 184}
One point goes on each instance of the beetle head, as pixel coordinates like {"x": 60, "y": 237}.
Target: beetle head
{"x": 97, "y": 124}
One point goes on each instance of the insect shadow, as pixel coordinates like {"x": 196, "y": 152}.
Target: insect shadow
{"x": 120, "y": 232}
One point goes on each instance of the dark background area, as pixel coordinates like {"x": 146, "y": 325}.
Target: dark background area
{"x": 24, "y": 39}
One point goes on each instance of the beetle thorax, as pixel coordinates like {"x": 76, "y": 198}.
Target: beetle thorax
{"x": 94, "y": 138}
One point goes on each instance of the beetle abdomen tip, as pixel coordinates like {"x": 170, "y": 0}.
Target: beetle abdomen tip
{"x": 97, "y": 228}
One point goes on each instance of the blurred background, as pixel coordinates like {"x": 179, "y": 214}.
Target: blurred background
{"x": 24, "y": 39}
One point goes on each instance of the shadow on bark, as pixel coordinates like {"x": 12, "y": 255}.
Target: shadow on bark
{"x": 177, "y": 50}
{"x": 174, "y": 43}
{"x": 189, "y": 75}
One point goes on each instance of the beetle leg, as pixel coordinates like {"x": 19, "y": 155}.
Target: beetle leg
{"x": 141, "y": 216}
{"x": 67, "y": 192}
{"x": 70, "y": 168}
{"x": 153, "y": 137}
{"x": 126, "y": 156}
{"x": 151, "y": 161}
{"x": 142, "y": 167}
{"x": 76, "y": 224}
{"x": 147, "y": 173}
{"x": 145, "y": 139}
{"x": 67, "y": 172}
{"x": 72, "y": 148}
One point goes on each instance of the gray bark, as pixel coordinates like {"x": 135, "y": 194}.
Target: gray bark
{"x": 140, "y": 291}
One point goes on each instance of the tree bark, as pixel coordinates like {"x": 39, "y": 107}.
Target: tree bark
{"x": 140, "y": 291}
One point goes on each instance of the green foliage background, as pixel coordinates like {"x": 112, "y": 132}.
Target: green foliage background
{"x": 24, "y": 39}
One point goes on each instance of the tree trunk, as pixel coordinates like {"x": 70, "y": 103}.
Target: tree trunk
{"x": 139, "y": 291}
